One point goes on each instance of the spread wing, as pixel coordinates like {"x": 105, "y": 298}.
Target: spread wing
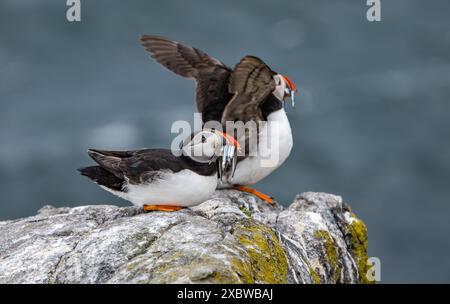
{"x": 211, "y": 75}
{"x": 250, "y": 83}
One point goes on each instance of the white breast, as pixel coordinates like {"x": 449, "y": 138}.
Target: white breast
{"x": 185, "y": 188}
{"x": 254, "y": 168}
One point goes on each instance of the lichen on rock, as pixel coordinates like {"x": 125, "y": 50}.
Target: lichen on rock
{"x": 357, "y": 235}
{"x": 267, "y": 256}
{"x": 232, "y": 238}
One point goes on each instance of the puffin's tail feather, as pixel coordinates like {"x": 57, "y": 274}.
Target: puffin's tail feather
{"x": 108, "y": 160}
{"x": 102, "y": 177}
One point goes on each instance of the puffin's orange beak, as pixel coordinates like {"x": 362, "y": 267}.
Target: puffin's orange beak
{"x": 290, "y": 84}
{"x": 230, "y": 139}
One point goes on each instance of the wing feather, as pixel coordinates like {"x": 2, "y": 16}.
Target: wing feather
{"x": 137, "y": 166}
{"x": 210, "y": 74}
{"x": 251, "y": 83}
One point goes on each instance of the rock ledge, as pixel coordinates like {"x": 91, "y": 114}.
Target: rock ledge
{"x": 231, "y": 238}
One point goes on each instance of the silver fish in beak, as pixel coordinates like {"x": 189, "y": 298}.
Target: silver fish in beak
{"x": 227, "y": 163}
{"x": 288, "y": 93}
{"x": 290, "y": 89}
{"x": 292, "y": 98}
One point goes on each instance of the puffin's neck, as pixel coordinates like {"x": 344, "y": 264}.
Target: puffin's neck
{"x": 200, "y": 168}
{"x": 270, "y": 105}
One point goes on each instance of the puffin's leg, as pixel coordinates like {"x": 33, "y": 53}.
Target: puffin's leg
{"x": 167, "y": 208}
{"x": 255, "y": 192}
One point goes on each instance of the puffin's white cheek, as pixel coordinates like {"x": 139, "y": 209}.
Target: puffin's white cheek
{"x": 208, "y": 151}
{"x": 279, "y": 92}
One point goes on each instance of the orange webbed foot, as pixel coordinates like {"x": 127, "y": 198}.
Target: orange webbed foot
{"x": 166, "y": 208}
{"x": 255, "y": 192}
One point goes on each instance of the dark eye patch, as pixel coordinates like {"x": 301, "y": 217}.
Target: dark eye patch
{"x": 203, "y": 139}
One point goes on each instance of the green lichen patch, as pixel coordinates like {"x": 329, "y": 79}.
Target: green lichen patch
{"x": 246, "y": 211}
{"x": 357, "y": 233}
{"x": 243, "y": 269}
{"x": 314, "y": 275}
{"x": 331, "y": 254}
{"x": 267, "y": 256}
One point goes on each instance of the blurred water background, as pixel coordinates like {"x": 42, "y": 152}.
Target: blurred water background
{"x": 371, "y": 122}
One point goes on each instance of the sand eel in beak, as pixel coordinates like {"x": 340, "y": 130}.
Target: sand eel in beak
{"x": 249, "y": 92}
{"x": 156, "y": 179}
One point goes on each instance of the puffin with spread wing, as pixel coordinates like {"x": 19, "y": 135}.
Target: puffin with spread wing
{"x": 251, "y": 92}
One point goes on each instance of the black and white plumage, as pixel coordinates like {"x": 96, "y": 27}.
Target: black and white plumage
{"x": 249, "y": 92}
{"x": 157, "y": 176}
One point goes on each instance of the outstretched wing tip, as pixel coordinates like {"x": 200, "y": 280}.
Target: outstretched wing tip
{"x": 146, "y": 37}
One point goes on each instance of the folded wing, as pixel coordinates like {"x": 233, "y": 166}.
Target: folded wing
{"x": 250, "y": 83}
{"x": 137, "y": 166}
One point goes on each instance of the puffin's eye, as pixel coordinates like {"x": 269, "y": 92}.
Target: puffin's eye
{"x": 203, "y": 139}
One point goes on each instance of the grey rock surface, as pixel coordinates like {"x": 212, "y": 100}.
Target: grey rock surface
{"x": 232, "y": 238}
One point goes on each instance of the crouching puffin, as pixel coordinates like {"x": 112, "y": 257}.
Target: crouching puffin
{"x": 249, "y": 92}
{"x": 159, "y": 180}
